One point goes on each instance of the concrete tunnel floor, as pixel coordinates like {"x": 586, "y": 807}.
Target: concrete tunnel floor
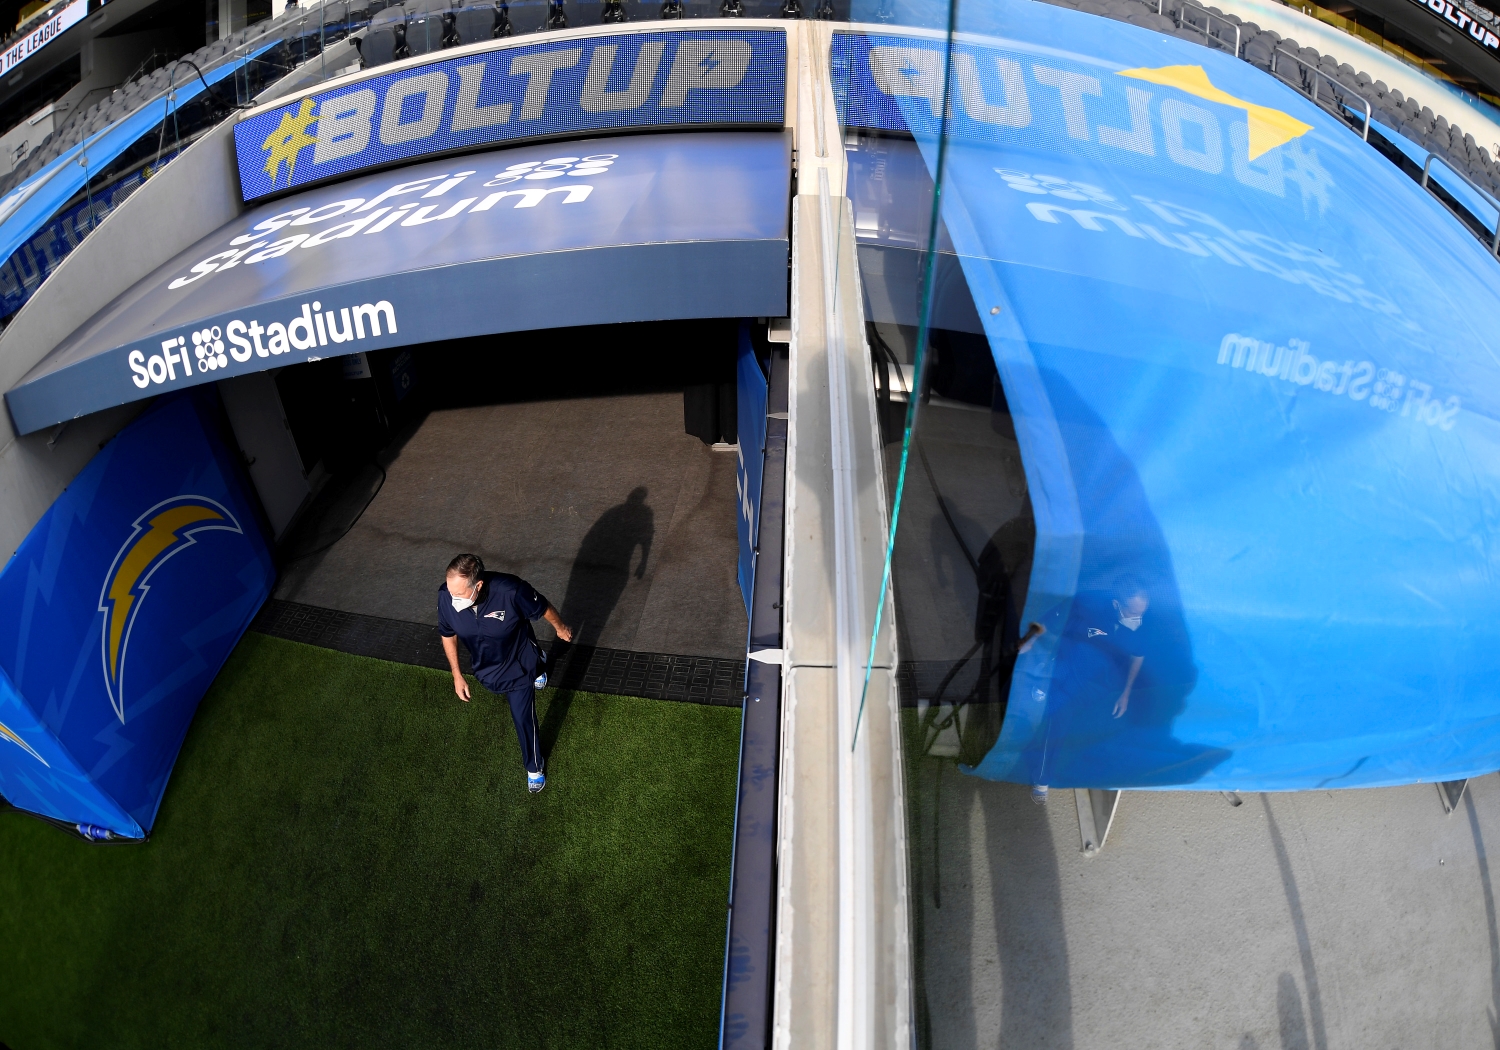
{"x": 1296, "y": 921}
{"x": 624, "y": 522}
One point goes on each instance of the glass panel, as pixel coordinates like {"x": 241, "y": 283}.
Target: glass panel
{"x": 1171, "y": 428}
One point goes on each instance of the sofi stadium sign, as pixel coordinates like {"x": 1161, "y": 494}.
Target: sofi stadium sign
{"x": 43, "y": 35}
{"x": 671, "y": 78}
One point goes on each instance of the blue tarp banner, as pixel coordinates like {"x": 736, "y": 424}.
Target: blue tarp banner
{"x": 1253, "y": 369}
{"x": 117, "y": 612}
{"x": 751, "y": 415}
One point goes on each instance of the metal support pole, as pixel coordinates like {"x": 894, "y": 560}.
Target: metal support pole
{"x": 1096, "y": 815}
{"x": 1452, "y": 793}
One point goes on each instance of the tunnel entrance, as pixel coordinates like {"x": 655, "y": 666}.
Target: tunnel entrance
{"x": 598, "y": 463}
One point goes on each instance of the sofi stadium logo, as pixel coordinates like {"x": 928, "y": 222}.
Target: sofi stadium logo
{"x": 660, "y": 78}
{"x": 414, "y": 202}
{"x": 310, "y": 329}
{"x": 160, "y": 534}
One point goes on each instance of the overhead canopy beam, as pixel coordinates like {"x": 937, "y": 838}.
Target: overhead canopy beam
{"x": 594, "y": 232}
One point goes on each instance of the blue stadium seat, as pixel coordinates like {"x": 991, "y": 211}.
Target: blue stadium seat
{"x": 473, "y": 22}
{"x": 385, "y": 40}
{"x": 427, "y": 26}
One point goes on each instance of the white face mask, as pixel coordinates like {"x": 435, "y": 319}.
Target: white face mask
{"x": 461, "y": 604}
{"x": 1130, "y": 623}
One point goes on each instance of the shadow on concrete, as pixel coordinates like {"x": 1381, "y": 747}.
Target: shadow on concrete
{"x": 1036, "y": 1008}
{"x": 967, "y": 827}
{"x": 1291, "y": 1022}
{"x": 600, "y": 572}
{"x": 1489, "y": 915}
{"x": 602, "y": 566}
{"x": 1304, "y": 949}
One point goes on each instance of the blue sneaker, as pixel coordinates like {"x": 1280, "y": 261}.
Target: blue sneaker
{"x": 535, "y": 782}
{"x": 541, "y": 681}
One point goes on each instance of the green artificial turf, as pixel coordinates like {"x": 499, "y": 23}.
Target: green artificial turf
{"x": 347, "y": 856}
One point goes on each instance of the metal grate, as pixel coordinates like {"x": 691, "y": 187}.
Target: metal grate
{"x": 620, "y": 672}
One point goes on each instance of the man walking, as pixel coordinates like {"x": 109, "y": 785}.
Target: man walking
{"x": 492, "y": 613}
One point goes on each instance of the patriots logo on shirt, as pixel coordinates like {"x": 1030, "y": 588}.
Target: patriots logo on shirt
{"x": 1094, "y": 632}
{"x": 499, "y": 615}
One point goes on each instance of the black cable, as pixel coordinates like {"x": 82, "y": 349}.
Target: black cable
{"x": 228, "y": 107}
{"x": 350, "y": 526}
{"x": 937, "y": 840}
{"x": 943, "y": 506}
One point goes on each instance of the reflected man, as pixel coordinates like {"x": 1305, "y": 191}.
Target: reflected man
{"x": 1127, "y": 640}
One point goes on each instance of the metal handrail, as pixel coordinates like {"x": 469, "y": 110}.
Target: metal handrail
{"x": 1486, "y": 194}
{"x": 1313, "y": 92}
{"x": 1181, "y": 21}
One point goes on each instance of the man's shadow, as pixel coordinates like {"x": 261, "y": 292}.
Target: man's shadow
{"x": 972, "y": 695}
{"x": 601, "y": 570}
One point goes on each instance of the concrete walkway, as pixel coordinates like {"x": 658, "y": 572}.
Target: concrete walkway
{"x": 623, "y": 521}
{"x": 1360, "y": 919}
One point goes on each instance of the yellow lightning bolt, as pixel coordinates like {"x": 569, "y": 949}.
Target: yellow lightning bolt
{"x": 1269, "y": 127}
{"x": 6, "y": 732}
{"x": 283, "y": 144}
{"x": 161, "y": 536}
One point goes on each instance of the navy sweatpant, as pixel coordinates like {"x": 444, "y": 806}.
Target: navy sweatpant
{"x": 522, "y": 697}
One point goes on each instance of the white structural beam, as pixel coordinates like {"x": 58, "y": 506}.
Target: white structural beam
{"x": 842, "y": 951}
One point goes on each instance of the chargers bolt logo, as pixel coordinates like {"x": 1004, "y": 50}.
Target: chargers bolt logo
{"x": 160, "y": 533}
{"x": 6, "y": 733}
{"x": 208, "y": 345}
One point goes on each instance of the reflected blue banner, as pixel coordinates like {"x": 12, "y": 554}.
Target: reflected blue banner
{"x": 1253, "y": 371}
{"x": 117, "y": 612}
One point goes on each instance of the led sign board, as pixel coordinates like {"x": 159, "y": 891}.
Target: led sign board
{"x": 1478, "y": 22}
{"x": 43, "y": 35}
{"x": 657, "y": 79}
